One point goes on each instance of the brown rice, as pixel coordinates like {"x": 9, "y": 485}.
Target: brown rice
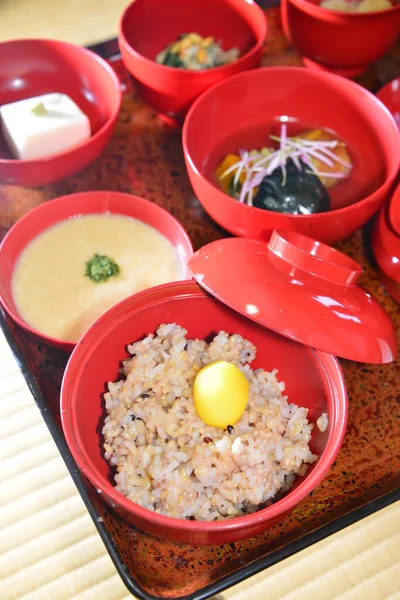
{"x": 168, "y": 460}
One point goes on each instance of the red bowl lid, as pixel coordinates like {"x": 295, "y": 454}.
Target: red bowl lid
{"x": 301, "y": 288}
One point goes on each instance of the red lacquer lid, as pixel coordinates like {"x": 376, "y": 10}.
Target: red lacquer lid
{"x": 300, "y": 288}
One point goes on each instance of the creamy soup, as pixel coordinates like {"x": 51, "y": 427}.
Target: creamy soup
{"x": 53, "y": 289}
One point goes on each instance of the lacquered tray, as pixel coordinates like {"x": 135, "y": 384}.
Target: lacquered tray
{"x": 145, "y": 158}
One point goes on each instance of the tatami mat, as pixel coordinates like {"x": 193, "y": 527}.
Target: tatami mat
{"x": 76, "y": 21}
{"x": 50, "y": 549}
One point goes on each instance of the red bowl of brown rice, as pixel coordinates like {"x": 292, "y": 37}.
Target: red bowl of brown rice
{"x": 130, "y": 423}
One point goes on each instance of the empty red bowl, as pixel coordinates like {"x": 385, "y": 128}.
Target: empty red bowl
{"x": 313, "y": 379}
{"x": 148, "y": 26}
{"x": 345, "y": 43}
{"x": 238, "y": 113}
{"x": 48, "y": 214}
{"x": 34, "y": 67}
{"x": 386, "y": 248}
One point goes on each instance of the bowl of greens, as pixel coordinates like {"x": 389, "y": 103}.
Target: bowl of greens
{"x": 175, "y": 49}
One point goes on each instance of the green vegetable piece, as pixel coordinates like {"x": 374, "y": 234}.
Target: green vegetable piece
{"x": 172, "y": 60}
{"x": 100, "y": 268}
{"x": 39, "y": 110}
{"x": 234, "y": 190}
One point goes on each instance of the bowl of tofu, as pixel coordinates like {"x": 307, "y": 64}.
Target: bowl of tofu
{"x": 58, "y": 107}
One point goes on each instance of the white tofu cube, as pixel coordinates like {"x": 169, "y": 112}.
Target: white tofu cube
{"x": 42, "y": 126}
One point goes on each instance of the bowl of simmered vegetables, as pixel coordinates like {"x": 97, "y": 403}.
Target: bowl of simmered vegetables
{"x": 175, "y": 49}
{"x": 341, "y": 36}
{"x": 290, "y": 148}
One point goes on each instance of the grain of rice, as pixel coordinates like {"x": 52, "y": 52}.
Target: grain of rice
{"x": 322, "y": 422}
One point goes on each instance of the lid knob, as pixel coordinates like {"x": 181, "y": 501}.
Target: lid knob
{"x": 312, "y": 257}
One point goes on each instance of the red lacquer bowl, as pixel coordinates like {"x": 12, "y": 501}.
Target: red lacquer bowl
{"x": 238, "y": 112}
{"x": 386, "y": 248}
{"x": 389, "y": 94}
{"x": 148, "y": 26}
{"x": 394, "y": 212}
{"x": 34, "y": 67}
{"x": 313, "y": 379}
{"x": 344, "y": 43}
{"x": 46, "y": 215}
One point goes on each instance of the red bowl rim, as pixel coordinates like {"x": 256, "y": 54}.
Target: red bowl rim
{"x": 307, "y": 73}
{"x": 202, "y": 73}
{"x": 89, "y": 141}
{"x": 318, "y": 10}
{"x": 82, "y": 352}
{"x": 61, "y": 199}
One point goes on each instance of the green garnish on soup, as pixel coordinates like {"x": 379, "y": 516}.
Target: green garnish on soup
{"x": 101, "y": 268}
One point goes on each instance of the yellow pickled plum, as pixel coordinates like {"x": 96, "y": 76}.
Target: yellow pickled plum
{"x": 221, "y": 393}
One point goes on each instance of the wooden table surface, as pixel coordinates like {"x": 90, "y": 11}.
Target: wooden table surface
{"x": 49, "y": 548}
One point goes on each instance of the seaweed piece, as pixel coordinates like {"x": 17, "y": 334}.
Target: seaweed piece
{"x": 299, "y": 193}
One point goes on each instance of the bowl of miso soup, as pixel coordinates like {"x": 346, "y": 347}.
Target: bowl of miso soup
{"x": 68, "y": 261}
{"x": 290, "y": 148}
